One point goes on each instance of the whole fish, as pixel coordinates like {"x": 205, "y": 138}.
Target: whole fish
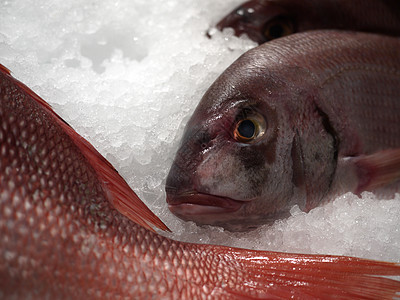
{"x": 62, "y": 238}
{"x": 265, "y": 20}
{"x": 298, "y": 120}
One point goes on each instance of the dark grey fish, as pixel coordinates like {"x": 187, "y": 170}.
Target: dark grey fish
{"x": 265, "y": 20}
{"x": 298, "y": 120}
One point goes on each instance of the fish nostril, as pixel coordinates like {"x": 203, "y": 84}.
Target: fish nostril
{"x": 203, "y": 139}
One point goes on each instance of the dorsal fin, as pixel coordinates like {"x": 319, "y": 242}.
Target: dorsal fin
{"x": 118, "y": 192}
{"x": 5, "y": 70}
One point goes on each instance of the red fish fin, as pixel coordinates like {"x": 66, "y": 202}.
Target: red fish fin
{"x": 377, "y": 170}
{"x": 4, "y": 70}
{"x": 300, "y": 276}
{"x": 118, "y": 191}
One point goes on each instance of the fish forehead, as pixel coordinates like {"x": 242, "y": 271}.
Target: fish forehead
{"x": 275, "y": 65}
{"x": 259, "y": 75}
{"x": 245, "y": 80}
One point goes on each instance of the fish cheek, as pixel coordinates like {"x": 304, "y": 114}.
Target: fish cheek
{"x": 253, "y": 160}
{"x": 314, "y": 158}
{"x": 221, "y": 174}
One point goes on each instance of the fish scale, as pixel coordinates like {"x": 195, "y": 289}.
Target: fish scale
{"x": 381, "y": 130}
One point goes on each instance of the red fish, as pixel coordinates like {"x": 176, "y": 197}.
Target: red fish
{"x": 265, "y": 20}
{"x": 62, "y": 238}
{"x": 298, "y": 120}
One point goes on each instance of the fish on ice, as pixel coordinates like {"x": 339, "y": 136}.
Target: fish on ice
{"x": 296, "y": 121}
{"x": 71, "y": 228}
{"x": 265, "y": 20}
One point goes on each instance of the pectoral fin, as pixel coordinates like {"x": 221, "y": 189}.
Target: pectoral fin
{"x": 376, "y": 170}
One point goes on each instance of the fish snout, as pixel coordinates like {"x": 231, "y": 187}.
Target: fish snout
{"x": 178, "y": 179}
{"x": 181, "y": 177}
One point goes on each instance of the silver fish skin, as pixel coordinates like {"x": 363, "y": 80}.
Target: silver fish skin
{"x": 324, "y": 111}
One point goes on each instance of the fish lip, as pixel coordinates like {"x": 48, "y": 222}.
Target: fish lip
{"x": 196, "y": 203}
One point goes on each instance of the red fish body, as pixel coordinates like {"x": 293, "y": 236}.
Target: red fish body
{"x": 299, "y": 120}
{"x": 265, "y": 20}
{"x": 62, "y": 238}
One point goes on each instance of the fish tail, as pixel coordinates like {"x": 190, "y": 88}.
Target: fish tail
{"x": 273, "y": 275}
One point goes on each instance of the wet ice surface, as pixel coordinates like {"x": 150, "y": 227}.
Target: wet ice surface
{"x": 127, "y": 76}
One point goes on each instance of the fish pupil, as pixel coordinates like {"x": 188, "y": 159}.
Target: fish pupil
{"x": 247, "y": 129}
{"x": 276, "y": 31}
{"x": 277, "y": 28}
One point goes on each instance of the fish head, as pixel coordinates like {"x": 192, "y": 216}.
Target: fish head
{"x": 266, "y": 20}
{"x": 234, "y": 167}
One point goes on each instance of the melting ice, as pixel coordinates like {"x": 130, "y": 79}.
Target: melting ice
{"x": 127, "y": 74}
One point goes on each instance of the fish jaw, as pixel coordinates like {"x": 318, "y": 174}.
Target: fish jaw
{"x": 201, "y": 208}
{"x": 205, "y": 209}
{"x": 210, "y": 203}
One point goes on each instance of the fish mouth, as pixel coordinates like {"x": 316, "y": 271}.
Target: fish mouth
{"x": 194, "y": 203}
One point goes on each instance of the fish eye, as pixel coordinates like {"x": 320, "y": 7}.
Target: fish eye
{"x": 249, "y": 128}
{"x": 277, "y": 28}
